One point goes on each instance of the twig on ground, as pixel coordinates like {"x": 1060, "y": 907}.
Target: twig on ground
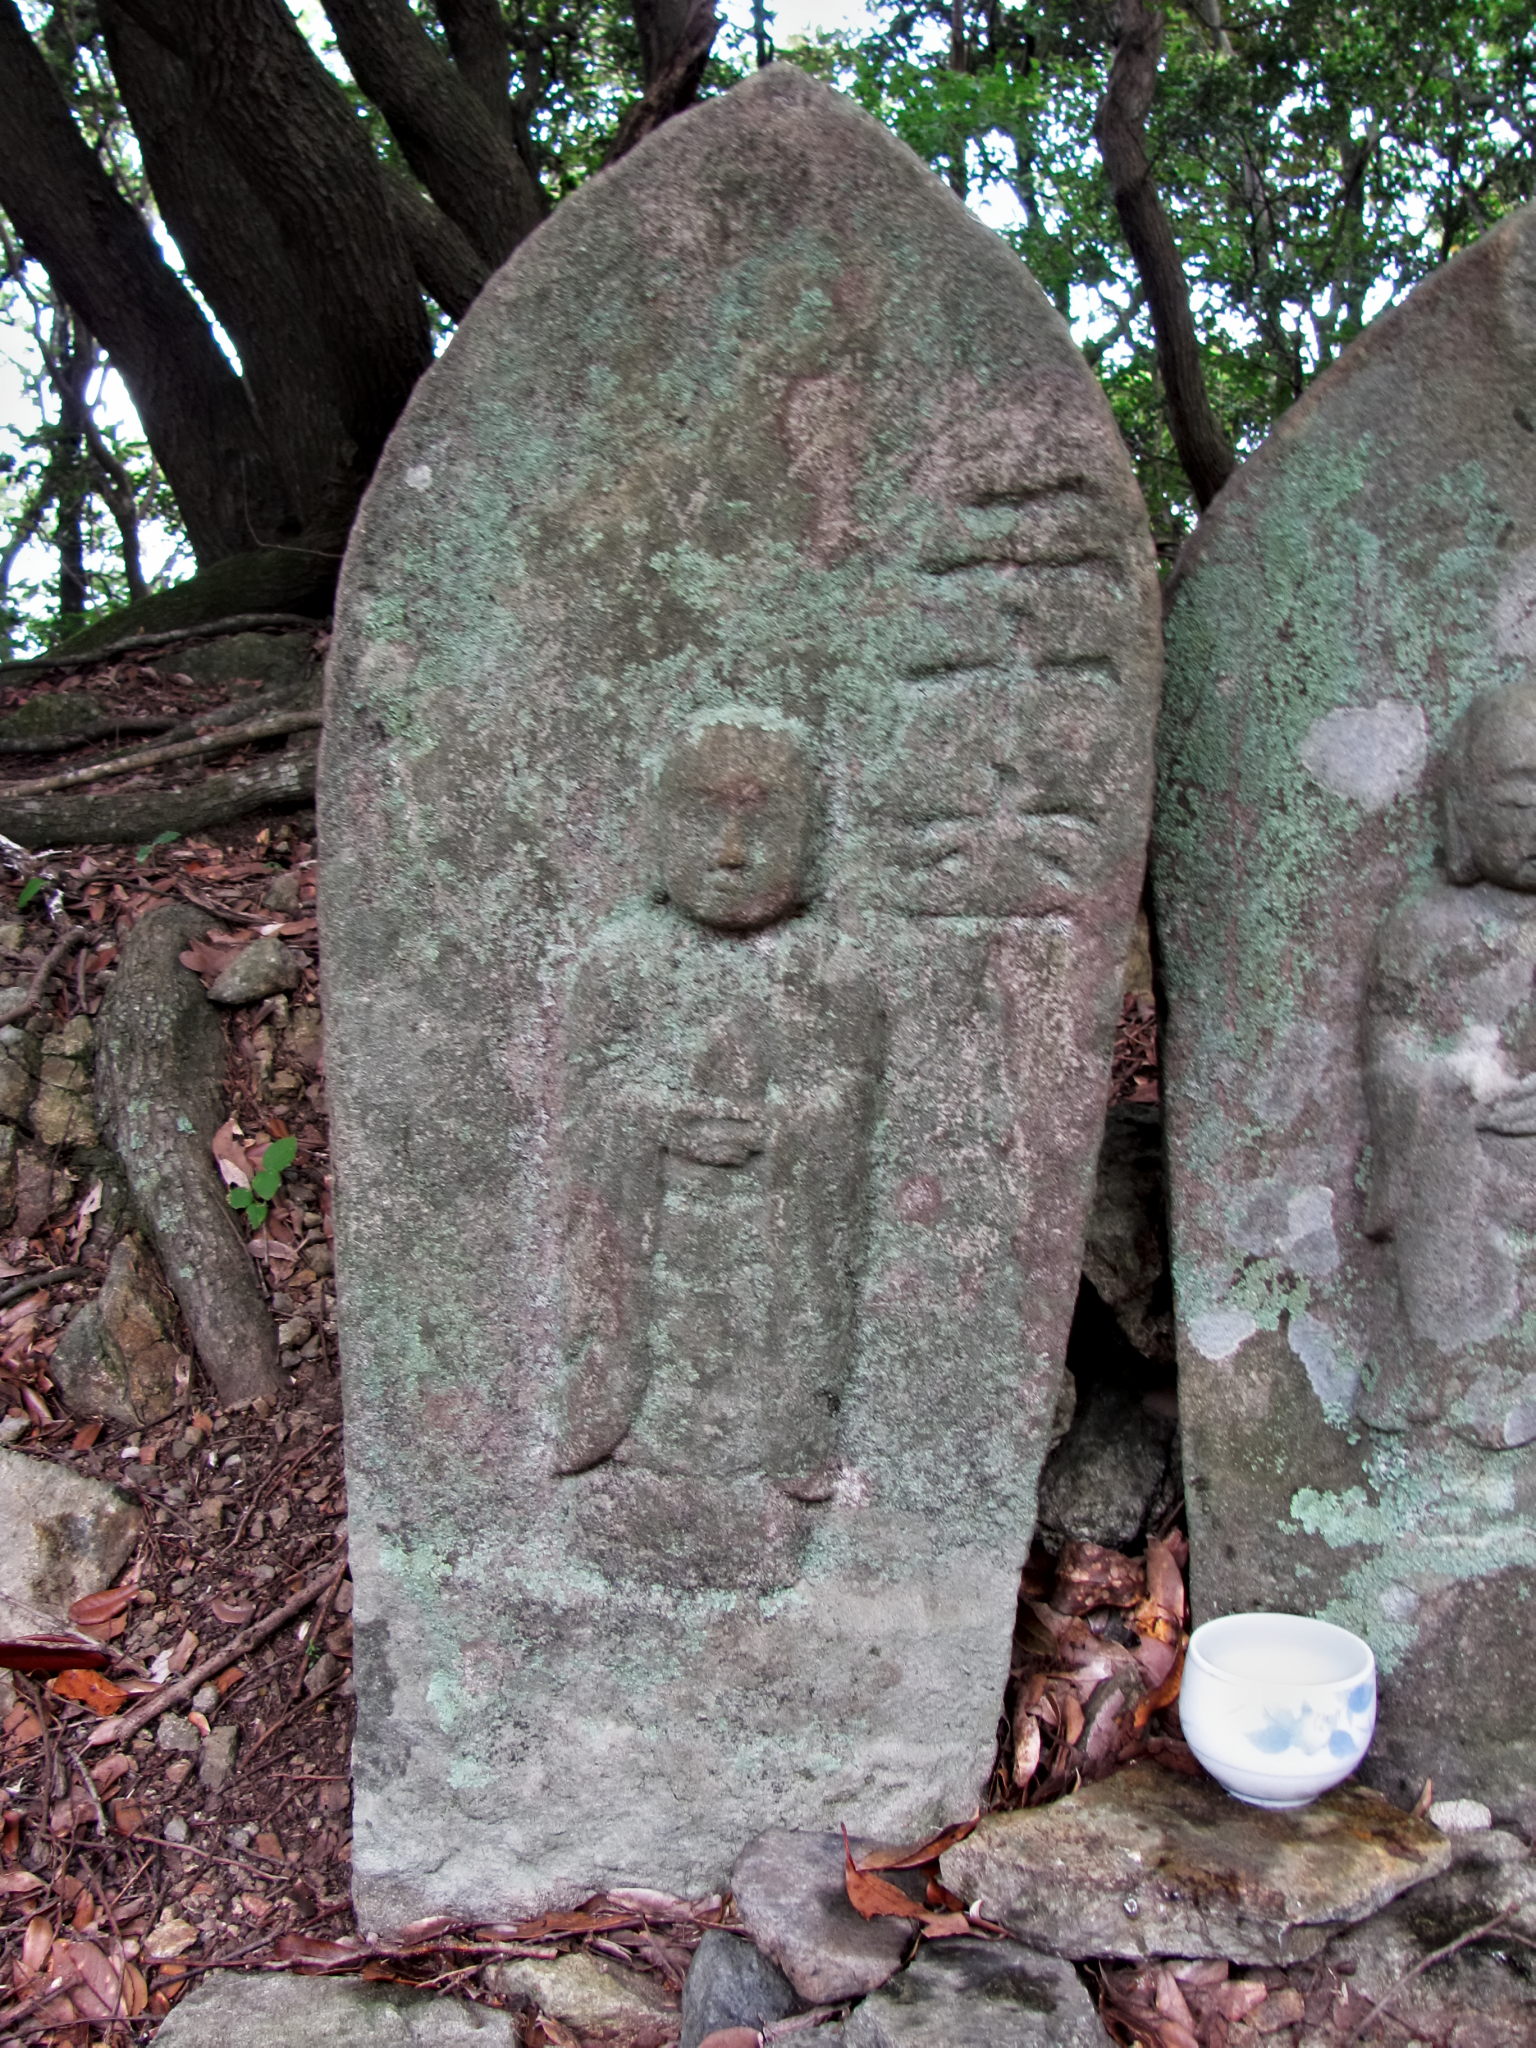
{"x": 223, "y": 910}
{"x": 50, "y": 1276}
{"x": 228, "y": 737}
{"x": 125, "y": 1726}
{"x": 75, "y": 935}
{"x": 1428, "y": 1962}
{"x": 241, "y": 622}
{"x": 94, "y": 1796}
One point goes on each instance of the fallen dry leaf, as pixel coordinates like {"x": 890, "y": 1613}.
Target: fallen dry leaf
{"x": 51, "y": 1653}
{"x": 172, "y": 1937}
{"x": 732, "y": 2037}
{"x": 16, "y": 1883}
{"x": 230, "y": 1156}
{"x": 36, "y": 1944}
{"x": 1088, "y": 1576}
{"x": 126, "y": 1817}
{"x": 233, "y": 1613}
{"x": 922, "y": 1852}
{"x": 872, "y": 1897}
{"x": 94, "y": 1691}
{"x": 94, "y": 1608}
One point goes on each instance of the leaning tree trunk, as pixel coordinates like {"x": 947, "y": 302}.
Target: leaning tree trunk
{"x": 104, "y": 263}
{"x": 1120, "y": 129}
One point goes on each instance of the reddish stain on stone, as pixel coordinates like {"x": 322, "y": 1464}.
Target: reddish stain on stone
{"x": 920, "y": 1199}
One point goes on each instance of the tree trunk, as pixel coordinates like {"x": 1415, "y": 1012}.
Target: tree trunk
{"x": 477, "y": 39}
{"x": 103, "y": 261}
{"x": 676, "y": 37}
{"x": 304, "y": 152}
{"x": 1120, "y": 130}
{"x": 234, "y": 251}
{"x": 450, "y": 140}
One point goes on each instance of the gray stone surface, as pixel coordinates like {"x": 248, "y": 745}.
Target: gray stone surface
{"x": 1110, "y": 1471}
{"x": 605, "y": 2006}
{"x": 1348, "y": 964}
{"x": 731, "y": 1983}
{"x": 116, "y": 1358}
{"x": 790, "y": 1892}
{"x": 19, "y": 1053}
{"x": 1481, "y": 1997}
{"x": 732, "y": 807}
{"x": 1150, "y": 1863}
{"x": 280, "y": 661}
{"x": 327, "y": 2012}
{"x": 62, "y": 1536}
{"x": 266, "y": 967}
{"x": 981, "y": 1995}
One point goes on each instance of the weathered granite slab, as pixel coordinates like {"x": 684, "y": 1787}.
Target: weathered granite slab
{"x": 1348, "y": 934}
{"x": 792, "y": 1898}
{"x": 984, "y": 1994}
{"x": 735, "y": 782}
{"x": 1150, "y": 1863}
{"x": 328, "y": 2012}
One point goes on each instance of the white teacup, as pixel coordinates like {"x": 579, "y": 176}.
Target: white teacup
{"x": 1277, "y": 1707}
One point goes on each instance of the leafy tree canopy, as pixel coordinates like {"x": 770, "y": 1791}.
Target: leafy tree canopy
{"x": 1216, "y": 200}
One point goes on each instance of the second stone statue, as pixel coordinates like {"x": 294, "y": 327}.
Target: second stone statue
{"x": 734, "y": 803}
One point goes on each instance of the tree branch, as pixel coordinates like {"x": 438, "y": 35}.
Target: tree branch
{"x": 450, "y": 140}
{"x": 676, "y": 37}
{"x": 1120, "y": 130}
{"x": 104, "y": 262}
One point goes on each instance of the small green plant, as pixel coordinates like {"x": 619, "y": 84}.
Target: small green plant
{"x": 256, "y": 1200}
{"x": 31, "y": 888}
{"x": 160, "y": 839}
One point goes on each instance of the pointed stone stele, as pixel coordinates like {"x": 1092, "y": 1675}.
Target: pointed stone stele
{"x": 733, "y": 805}
{"x": 1344, "y": 871}
{"x": 1150, "y": 1863}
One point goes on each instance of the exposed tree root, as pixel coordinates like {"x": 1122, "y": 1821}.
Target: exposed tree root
{"x": 159, "y": 1085}
{"x": 173, "y": 636}
{"x": 131, "y": 816}
{"x": 274, "y": 725}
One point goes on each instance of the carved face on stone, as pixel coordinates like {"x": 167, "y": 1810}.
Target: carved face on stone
{"x": 736, "y": 803}
{"x": 1490, "y": 794}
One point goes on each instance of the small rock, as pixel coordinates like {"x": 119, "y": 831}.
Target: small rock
{"x": 984, "y": 1994}
{"x": 306, "y": 1035}
{"x": 324, "y": 1672}
{"x": 283, "y": 892}
{"x": 177, "y": 1772}
{"x": 731, "y": 1984}
{"x": 606, "y": 2006}
{"x": 296, "y": 1331}
{"x": 266, "y": 967}
{"x": 62, "y": 1536}
{"x": 1460, "y": 1816}
{"x": 74, "y": 1042}
{"x": 1150, "y": 1863}
{"x": 62, "y": 1112}
{"x": 280, "y": 2011}
{"x": 206, "y": 1698}
{"x": 13, "y": 1426}
{"x": 1103, "y": 1481}
{"x": 218, "y": 1757}
{"x": 789, "y": 1891}
{"x": 320, "y": 1260}
{"x": 176, "y": 1829}
{"x": 18, "y": 1071}
{"x": 13, "y": 935}
{"x": 174, "y": 1731}
{"x": 116, "y": 1358}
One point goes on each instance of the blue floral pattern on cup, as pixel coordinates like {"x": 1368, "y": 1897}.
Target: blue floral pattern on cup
{"x": 1341, "y": 1727}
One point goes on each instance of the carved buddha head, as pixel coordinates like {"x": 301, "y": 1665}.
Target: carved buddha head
{"x": 1490, "y": 790}
{"x": 736, "y": 798}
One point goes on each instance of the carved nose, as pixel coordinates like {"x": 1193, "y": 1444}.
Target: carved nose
{"x": 732, "y": 851}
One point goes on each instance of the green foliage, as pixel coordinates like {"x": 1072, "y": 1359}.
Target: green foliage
{"x": 31, "y": 888}
{"x": 1315, "y": 157}
{"x": 146, "y": 851}
{"x": 255, "y": 1201}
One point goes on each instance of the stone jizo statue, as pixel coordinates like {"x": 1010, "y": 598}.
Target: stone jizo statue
{"x": 725, "y": 1052}
{"x": 1451, "y": 1084}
